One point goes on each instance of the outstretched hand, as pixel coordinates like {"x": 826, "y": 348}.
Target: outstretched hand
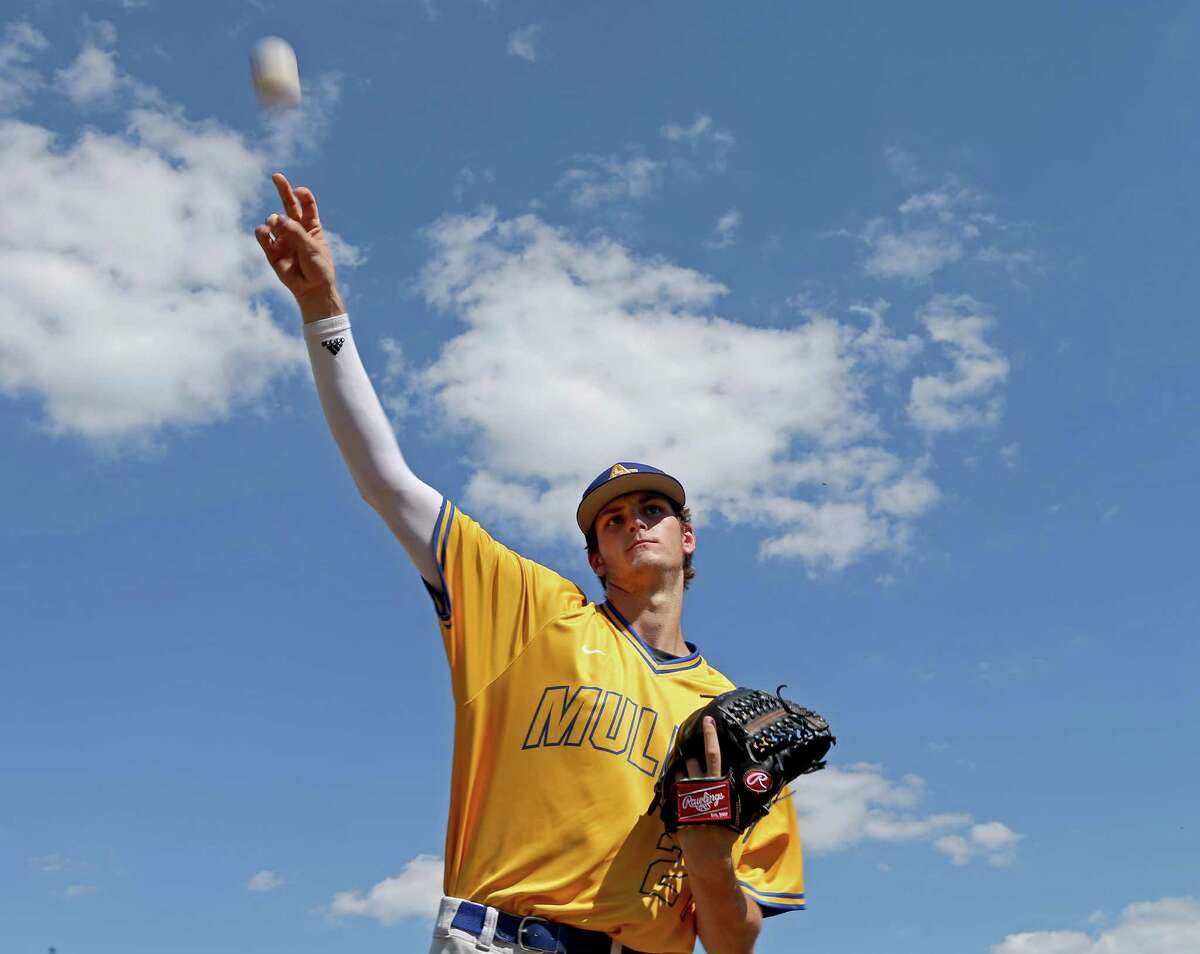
{"x": 706, "y": 845}
{"x": 295, "y": 246}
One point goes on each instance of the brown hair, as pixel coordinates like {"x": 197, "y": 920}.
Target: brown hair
{"x": 685, "y": 517}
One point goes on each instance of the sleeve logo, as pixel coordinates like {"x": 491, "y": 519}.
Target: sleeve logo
{"x": 333, "y": 345}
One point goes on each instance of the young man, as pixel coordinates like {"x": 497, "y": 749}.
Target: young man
{"x": 565, "y": 709}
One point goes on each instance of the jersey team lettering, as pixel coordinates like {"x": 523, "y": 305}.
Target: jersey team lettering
{"x": 703, "y": 801}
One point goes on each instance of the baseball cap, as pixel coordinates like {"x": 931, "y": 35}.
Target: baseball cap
{"x": 625, "y": 477}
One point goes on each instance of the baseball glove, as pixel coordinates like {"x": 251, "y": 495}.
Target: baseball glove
{"x": 766, "y": 741}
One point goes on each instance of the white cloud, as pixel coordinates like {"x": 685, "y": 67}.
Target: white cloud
{"x": 523, "y": 42}
{"x": 877, "y": 344}
{"x": 912, "y": 254}
{"x": 264, "y": 880}
{"x": 414, "y": 893}
{"x": 934, "y": 229}
{"x": 598, "y": 179}
{"x": 18, "y": 80}
{"x": 92, "y": 76}
{"x": 1010, "y": 453}
{"x": 769, "y": 427}
{"x": 702, "y": 136}
{"x": 994, "y": 841}
{"x": 1167, "y": 926}
{"x": 701, "y": 129}
{"x": 725, "y": 231}
{"x": 839, "y": 808}
{"x": 79, "y": 890}
{"x": 968, "y": 395}
{"x": 100, "y": 32}
{"x": 130, "y": 261}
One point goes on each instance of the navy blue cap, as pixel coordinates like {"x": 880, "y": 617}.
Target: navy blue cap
{"x": 625, "y": 477}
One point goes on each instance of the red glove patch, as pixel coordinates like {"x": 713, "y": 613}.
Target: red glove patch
{"x": 704, "y": 800}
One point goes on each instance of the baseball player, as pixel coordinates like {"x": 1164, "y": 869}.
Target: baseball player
{"x": 565, "y": 708}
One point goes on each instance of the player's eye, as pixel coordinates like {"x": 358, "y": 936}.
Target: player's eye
{"x": 653, "y": 508}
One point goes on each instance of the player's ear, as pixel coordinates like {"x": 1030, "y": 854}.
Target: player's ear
{"x": 689, "y": 539}
{"x": 596, "y": 561}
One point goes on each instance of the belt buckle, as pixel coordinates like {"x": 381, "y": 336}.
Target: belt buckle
{"x": 521, "y": 937}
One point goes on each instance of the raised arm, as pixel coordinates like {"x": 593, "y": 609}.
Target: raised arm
{"x": 296, "y": 249}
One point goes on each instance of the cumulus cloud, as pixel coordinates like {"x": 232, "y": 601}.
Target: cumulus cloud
{"x": 137, "y": 295}
{"x": 914, "y": 253}
{"x": 92, "y": 75}
{"x": 413, "y": 893}
{"x": 597, "y": 179}
{"x": 18, "y": 79}
{"x": 1168, "y": 926}
{"x": 522, "y": 42}
{"x": 843, "y": 807}
{"x": 264, "y": 880}
{"x": 878, "y": 344}
{"x": 771, "y": 427}
{"x": 994, "y": 841}
{"x": 968, "y": 394}
{"x": 725, "y": 231}
{"x": 934, "y": 229}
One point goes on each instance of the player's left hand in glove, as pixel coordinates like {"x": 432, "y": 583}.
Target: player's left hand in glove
{"x": 765, "y": 742}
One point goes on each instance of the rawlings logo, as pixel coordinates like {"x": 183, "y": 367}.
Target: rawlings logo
{"x": 757, "y": 780}
{"x": 702, "y": 802}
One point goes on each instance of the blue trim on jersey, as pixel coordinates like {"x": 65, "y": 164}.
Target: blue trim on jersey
{"x": 679, "y": 664}
{"x": 771, "y": 911}
{"x": 441, "y": 602}
{"x": 779, "y": 901}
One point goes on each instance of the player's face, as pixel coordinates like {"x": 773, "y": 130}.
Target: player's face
{"x": 640, "y": 539}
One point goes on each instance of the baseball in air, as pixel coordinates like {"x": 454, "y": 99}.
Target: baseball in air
{"x": 275, "y": 72}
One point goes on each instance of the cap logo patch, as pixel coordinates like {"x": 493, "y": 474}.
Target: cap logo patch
{"x": 618, "y": 470}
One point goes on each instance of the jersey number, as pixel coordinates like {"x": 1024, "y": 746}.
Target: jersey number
{"x": 664, "y": 876}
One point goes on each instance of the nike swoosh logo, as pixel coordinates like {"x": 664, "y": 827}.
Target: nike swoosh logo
{"x": 592, "y": 652}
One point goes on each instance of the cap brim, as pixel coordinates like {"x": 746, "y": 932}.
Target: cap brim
{"x": 599, "y": 498}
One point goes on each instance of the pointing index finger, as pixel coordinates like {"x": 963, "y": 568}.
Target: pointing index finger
{"x": 291, "y": 204}
{"x": 712, "y": 747}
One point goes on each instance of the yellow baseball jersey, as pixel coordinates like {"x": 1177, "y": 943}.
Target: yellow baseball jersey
{"x": 564, "y": 718}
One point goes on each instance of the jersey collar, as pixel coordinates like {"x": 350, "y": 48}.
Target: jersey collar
{"x": 657, "y": 666}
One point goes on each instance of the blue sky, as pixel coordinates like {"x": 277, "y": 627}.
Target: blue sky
{"x": 906, "y": 297}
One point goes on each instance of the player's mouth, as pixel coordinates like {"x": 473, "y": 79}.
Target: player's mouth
{"x": 641, "y": 543}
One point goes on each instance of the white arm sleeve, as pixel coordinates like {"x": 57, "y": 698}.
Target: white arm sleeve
{"x": 367, "y": 442}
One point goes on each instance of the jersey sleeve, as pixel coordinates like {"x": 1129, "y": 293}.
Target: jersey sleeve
{"x": 493, "y": 600}
{"x": 771, "y": 867}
